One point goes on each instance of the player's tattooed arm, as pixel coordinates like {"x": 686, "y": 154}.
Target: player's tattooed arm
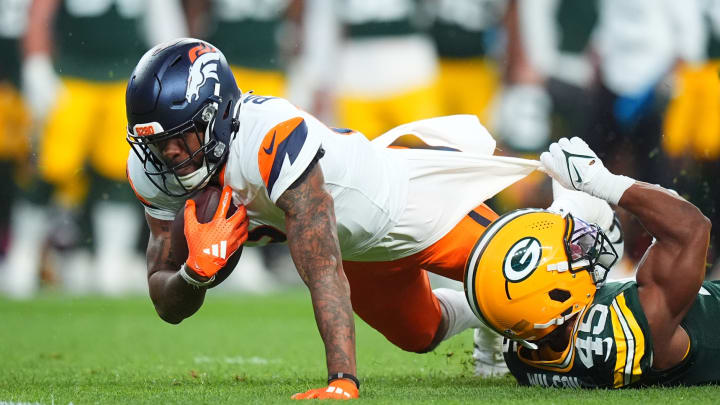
{"x": 313, "y": 242}
{"x": 173, "y": 297}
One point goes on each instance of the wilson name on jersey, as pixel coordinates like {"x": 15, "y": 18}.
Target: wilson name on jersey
{"x": 611, "y": 346}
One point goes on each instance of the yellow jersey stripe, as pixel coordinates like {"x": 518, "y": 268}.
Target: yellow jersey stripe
{"x": 627, "y": 367}
{"x": 688, "y": 349}
{"x": 620, "y": 348}
{"x": 639, "y": 338}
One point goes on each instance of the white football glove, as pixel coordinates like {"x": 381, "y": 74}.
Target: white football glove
{"x": 582, "y": 205}
{"x": 592, "y": 210}
{"x": 40, "y": 84}
{"x": 575, "y": 166}
{"x": 524, "y": 117}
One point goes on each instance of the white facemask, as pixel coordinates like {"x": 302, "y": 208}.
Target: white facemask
{"x": 195, "y": 179}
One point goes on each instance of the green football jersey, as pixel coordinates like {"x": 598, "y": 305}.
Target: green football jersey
{"x": 576, "y": 21}
{"x": 13, "y": 22}
{"x": 711, "y": 24}
{"x": 462, "y": 28}
{"x": 10, "y": 66}
{"x": 611, "y": 346}
{"x": 713, "y": 39}
{"x": 248, "y": 31}
{"x": 371, "y": 18}
{"x": 98, "y": 40}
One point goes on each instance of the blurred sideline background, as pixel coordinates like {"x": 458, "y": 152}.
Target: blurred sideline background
{"x": 637, "y": 79}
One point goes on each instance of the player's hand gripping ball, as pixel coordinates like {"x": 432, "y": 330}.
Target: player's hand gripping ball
{"x": 208, "y": 234}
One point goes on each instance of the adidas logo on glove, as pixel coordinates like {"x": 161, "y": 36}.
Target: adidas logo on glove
{"x": 217, "y": 250}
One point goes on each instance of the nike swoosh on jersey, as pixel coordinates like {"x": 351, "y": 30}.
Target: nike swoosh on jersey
{"x": 269, "y": 150}
{"x": 286, "y": 141}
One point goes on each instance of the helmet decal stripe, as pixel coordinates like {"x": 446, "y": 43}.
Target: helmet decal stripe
{"x": 285, "y": 139}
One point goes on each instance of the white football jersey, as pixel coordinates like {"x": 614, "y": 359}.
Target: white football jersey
{"x": 275, "y": 145}
{"x": 273, "y": 148}
{"x": 389, "y": 203}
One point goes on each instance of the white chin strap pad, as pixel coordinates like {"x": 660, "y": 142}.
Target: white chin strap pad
{"x": 194, "y": 179}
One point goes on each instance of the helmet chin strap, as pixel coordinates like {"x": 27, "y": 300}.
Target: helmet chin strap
{"x": 196, "y": 179}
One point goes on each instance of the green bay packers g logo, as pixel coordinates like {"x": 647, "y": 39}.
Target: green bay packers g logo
{"x": 522, "y": 259}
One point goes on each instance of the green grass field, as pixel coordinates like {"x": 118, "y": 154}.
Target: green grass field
{"x": 237, "y": 350}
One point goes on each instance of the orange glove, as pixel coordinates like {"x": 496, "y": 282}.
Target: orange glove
{"x": 337, "y": 389}
{"x": 210, "y": 245}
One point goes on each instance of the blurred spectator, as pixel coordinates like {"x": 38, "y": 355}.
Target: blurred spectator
{"x": 465, "y": 33}
{"x": 521, "y": 122}
{"x": 638, "y": 43}
{"x": 547, "y": 84}
{"x": 14, "y": 117}
{"x": 255, "y": 36}
{"x": 617, "y": 105}
{"x": 556, "y": 37}
{"x": 691, "y": 136}
{"x": 372, "y": 60}
{"x": 93, "y": 46}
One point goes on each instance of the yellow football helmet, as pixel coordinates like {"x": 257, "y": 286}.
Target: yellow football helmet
{"x": 534, "y": 269}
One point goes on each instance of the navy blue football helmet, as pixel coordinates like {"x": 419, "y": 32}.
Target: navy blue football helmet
{"x": 182, "y": 86}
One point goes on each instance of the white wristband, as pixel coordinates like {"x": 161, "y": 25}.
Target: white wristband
{"x": 188, "y": 278}
{"x": 590, "y": 209}
{"x": 610, "y": 187}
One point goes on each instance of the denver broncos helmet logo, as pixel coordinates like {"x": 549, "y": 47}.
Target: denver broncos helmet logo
{"x": 204, "y": 61}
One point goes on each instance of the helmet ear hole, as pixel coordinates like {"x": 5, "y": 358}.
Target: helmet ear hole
{"x": 559, "y": 295}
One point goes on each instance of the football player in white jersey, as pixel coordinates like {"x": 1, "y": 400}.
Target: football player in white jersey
{"x": 360, "y": 216}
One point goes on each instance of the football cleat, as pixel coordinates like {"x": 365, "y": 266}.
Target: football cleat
{"x": 487, "y": 353}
